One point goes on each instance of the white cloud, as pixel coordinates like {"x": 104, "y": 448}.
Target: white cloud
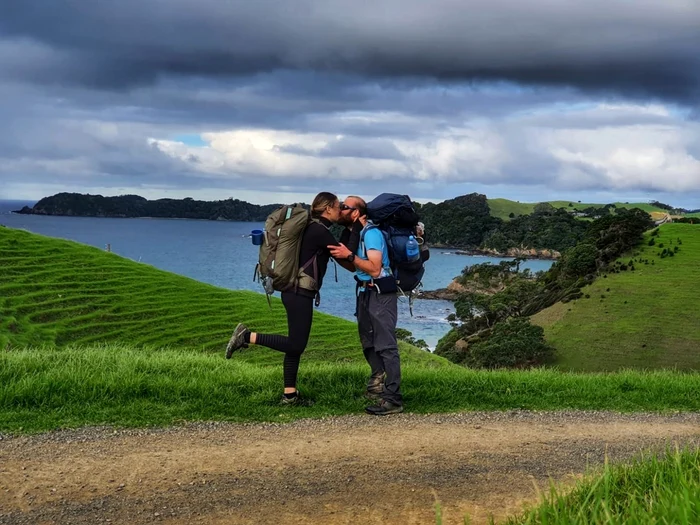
{"x": 571, "y": 149}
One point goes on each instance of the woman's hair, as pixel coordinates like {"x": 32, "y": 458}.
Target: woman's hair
{"x": 322, "y": 201}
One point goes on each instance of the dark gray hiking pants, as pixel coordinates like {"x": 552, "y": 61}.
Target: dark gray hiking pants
{"x": 376, "y": 322}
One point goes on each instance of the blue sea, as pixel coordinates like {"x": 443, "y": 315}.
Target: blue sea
{"x": 221, "y": 253}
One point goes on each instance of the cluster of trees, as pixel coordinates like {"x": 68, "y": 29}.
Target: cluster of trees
{"x": 77, "y": 204}
{"x": 461, "y": 222}
{"x": 466, "y": 222}
{"x": 480, "y": 317}
{"x": 671, "y": 209}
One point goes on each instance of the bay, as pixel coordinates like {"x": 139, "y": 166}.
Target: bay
{"x": 221, "y": 253}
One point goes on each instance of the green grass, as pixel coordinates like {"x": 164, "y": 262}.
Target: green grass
{"x": 503, "y": 207}
{"x": 653, "y": 489}
{"x": 58, "y": 293}
{"x": 647, "y": 318}
{"x": 43, "y": 389}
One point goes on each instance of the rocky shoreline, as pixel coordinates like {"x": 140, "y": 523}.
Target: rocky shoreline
{"x": 523, "y": 253}
{"x": 451, "y": 293}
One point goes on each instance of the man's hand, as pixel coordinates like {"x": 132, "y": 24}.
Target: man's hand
{"x": 339, "y": 252}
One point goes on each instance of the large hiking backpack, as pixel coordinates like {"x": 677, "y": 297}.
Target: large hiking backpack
{"x": 397, "y": 219}
{"x": 278, "y": 262}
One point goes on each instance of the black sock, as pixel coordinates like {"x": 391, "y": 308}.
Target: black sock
{"x": 292, "y": 395}
{"x": 246, "y": 336}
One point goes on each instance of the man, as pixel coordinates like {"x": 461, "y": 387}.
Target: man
{"x": 377, "y": 305}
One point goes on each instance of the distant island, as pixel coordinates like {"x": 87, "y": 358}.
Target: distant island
{"x": 472, "y": 223}
{"x": 133, "y": 206}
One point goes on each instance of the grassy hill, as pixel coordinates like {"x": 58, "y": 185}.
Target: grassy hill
{"x": 647, "y": 318}
{"x": 59, "y": 293}
{"x": 89, "y": 338}
{"x": 503, "y": 207}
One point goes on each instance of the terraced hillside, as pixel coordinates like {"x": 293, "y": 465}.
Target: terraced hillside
{"x": 58, "y": 293}
{"x": 646, "y": 318}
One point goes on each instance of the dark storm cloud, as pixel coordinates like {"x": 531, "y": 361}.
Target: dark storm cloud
{"x": 638, "y": 48}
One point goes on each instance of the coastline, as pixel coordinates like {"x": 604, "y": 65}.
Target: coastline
{"x": 523, "y": 253}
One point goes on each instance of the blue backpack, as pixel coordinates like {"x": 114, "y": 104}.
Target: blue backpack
{"x": 397, "y": 219}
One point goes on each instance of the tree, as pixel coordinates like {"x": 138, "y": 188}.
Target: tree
{"x": 579, "y": 261}
{"x": 544, "y": 208}
{"x": 515, "y": 343}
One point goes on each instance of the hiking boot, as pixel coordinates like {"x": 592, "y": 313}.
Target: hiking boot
{"x": 237, "y": 340}
{"x": 296, "y": 401}
{"x": 290, "y": 401}
{"x": 373, "y": 396}
{"x": 384, "y": 408}
{"x": 375, "y": 387}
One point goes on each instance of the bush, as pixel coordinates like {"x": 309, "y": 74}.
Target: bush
{"x": 446, "y": 346}
{"x": 515, "y": 343}
{"x": 405, "y": 335}
{"x": 579, "y": 261}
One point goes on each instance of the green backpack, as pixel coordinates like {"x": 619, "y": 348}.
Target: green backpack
{"x": 278, "y": 261}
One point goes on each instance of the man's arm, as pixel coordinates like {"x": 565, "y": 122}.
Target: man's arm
{"x": 373, "y": 266}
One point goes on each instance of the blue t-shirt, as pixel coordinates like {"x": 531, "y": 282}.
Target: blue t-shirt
{"x": 372, "y": 239}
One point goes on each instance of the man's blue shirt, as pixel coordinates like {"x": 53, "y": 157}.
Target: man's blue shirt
{"x": 372, "y": 238}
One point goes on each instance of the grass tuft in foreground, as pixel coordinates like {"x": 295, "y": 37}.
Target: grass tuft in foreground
{"x": 652, "y": 489}
{"x": 44, "y": 389}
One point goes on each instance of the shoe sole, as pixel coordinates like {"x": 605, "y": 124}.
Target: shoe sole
{"x": 231, "y": 346}
{"x": 386, "y": 413}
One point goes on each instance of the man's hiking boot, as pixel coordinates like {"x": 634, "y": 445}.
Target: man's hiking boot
{"x": 375, "y": 387}
{"x": 384, "y": 408}
{"x": 237, "y": 340}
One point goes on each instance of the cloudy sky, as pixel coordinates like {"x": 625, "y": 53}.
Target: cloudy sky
{"x": 273, "y": 101}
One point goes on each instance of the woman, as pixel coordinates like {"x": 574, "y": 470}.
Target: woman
{"x": 298, "y": 302}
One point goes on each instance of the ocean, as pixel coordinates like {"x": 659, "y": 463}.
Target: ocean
{"x": 221, "y": 253}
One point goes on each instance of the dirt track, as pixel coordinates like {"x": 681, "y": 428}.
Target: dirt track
{"x": 345, "y": 470}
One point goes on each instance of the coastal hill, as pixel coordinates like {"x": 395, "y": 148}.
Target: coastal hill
{"x": 644, "y": 318}
{"x": 472, "y": 222}
{"x": 132, "y": 206}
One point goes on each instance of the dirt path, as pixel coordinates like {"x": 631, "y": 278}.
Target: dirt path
{"x": 345, "y": 470}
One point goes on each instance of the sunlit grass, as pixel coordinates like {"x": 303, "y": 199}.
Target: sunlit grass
{"x": 646, "y": 318}
{"x": 652, "y": 489}
{"x": 46, "y": 388}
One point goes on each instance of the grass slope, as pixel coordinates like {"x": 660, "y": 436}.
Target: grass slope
{"x": 503, "y": 207}
{"x": 58, "y": 293}
{"x": 647, "y": 318}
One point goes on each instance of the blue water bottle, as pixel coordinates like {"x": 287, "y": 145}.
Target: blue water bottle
{"x": 412, "y": 249}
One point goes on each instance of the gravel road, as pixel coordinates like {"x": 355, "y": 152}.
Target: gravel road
{"x": 355, "y": 469}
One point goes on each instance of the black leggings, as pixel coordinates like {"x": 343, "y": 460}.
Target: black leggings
{"x": 300, "y": 312}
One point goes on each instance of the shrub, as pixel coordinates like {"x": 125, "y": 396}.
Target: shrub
{"x": 405, "y": 335}
{"x": 515, "y": 343}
